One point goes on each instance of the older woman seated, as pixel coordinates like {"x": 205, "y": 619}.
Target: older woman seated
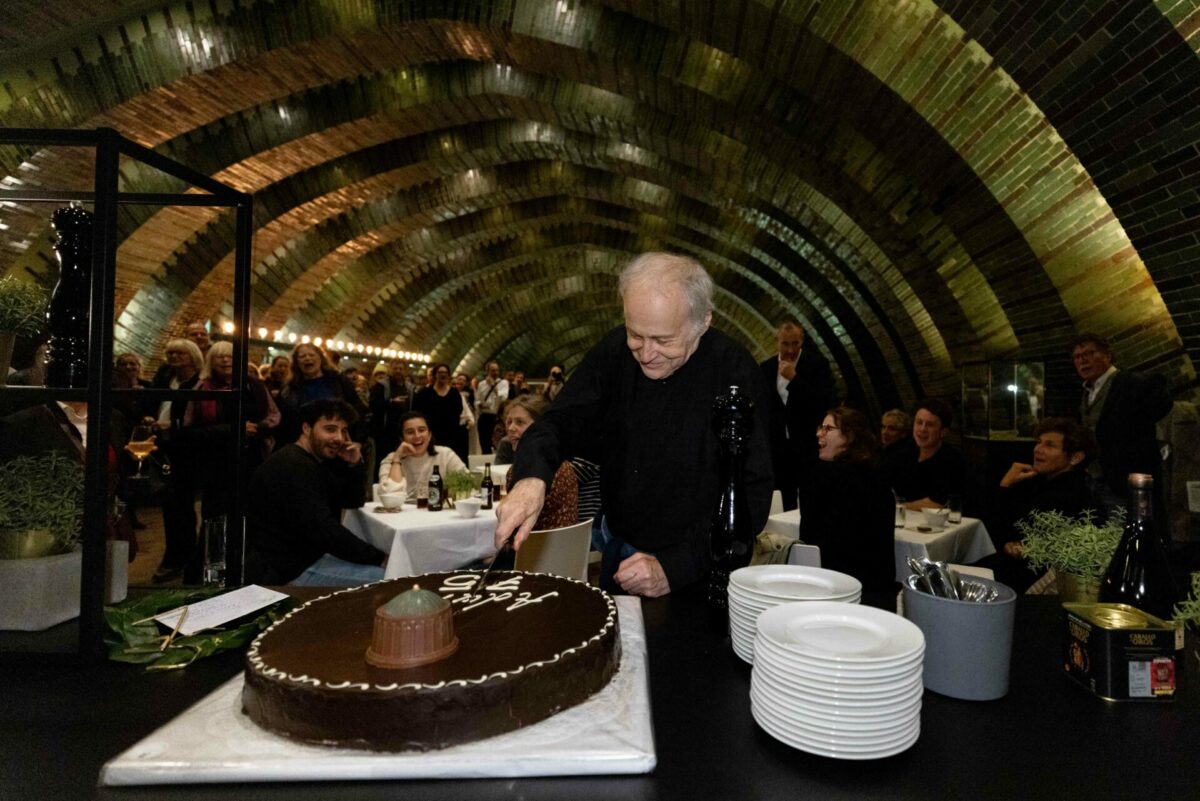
{"x": 408, "y": 468}
{"x": 851, "y": 514}
{"x": 562, "y": 497}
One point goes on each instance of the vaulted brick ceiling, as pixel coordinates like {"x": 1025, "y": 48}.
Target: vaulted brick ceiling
{"x": 922, "y": 184}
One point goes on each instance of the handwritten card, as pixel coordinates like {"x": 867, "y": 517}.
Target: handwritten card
{"x": 221, "y": 609}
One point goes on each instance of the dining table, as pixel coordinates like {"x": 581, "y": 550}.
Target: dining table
{"x": 960, "y": 543}
{"x": 1048, "y": 738}
{"x": 419, "y": 541}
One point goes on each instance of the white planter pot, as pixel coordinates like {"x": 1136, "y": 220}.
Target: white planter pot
{"x": 39, "y": 593}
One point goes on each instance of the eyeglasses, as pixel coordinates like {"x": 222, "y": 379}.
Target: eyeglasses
{"x": 826, "y": 429}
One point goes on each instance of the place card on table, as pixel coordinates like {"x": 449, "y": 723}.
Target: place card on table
{"x": 217, "y": 611}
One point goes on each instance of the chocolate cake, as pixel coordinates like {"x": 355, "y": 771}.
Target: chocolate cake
{"x": 530, "y": 645}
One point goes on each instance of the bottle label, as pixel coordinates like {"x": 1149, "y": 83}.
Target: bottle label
{"x": 435, "y": 496}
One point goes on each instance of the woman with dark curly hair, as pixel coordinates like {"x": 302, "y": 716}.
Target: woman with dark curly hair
{"x": 314, "y": 378}
{"x": 851, "y": 515}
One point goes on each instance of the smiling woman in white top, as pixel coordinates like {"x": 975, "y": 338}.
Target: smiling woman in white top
{"x": 409, "y": 467}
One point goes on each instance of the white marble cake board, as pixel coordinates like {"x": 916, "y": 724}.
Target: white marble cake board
{"x": 212, "y": 741}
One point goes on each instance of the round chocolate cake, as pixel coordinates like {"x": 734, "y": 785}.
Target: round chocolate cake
{"x": 530, "y": 645}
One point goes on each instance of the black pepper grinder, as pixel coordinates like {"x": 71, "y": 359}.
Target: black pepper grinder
{"x": 731, "y": 540}
{"x": 67, "y": 317}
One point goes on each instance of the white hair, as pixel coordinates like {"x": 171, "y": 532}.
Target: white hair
{"x": 657, "y": 271}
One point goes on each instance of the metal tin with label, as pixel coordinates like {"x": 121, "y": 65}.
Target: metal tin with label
{"x": 1119, "y": 652}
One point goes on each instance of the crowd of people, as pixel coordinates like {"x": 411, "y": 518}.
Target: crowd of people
{"x": 628, "y": 441}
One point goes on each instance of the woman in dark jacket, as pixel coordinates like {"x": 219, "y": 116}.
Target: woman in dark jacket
{"x": 851, "y": 515}
{"x": 442, "y": 406}
{"x": 314, "y": 378}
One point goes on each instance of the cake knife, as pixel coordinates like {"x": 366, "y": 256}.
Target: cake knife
{"x": 483, "y": 576}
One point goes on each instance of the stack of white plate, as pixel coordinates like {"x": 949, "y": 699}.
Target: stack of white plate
{"x": 838, "y": 680}
{"x": 753, "y": 590}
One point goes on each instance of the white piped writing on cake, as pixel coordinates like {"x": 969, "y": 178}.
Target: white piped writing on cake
{"x": 457, "y": 590}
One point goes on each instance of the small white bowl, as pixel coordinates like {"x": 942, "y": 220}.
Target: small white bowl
{"x": 936, "y": 518}
{"x": 467, "y": 507}
{"x": 392, "y": 500}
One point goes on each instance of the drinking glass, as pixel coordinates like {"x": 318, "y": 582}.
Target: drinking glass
{"x": 954, "y": 504}
{"x": 214, "y": 552}
{"x": 901, "y": 513}
{"x": 140, "y": 445}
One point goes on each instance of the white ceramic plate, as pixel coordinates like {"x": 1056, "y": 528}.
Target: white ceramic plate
{"x": 765, "y": 713}
{"x": 845, "y": 730}
{"x": 836, "y": 751}
{"x": 841, "y": 632}
{"x": 791, "y": 662}
{"x": 824, "y": 706}
{"x": 804, "y": 685}
{"x": 795, "y": 582}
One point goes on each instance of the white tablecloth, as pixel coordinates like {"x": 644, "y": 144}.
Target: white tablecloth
{"x": 962, "y": 543}
{"x": 419, "y": 541}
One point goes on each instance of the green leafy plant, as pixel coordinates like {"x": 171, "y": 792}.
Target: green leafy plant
{"x": 133, "y": 636}
{"x": 22, "y": 306}
{"x": 460, "y": 484}
{"x": 1075, "y": 545}
{"x": 43, "y": 493}
{"x": 1188, "y": 610}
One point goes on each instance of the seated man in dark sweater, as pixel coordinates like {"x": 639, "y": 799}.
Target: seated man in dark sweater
{"x": 928, "y": 474}
{"x": 294, "y": 533}
{"x": 1056, "y": 480}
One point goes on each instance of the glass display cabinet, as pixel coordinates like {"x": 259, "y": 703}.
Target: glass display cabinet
{"x": 1002, "y": 400}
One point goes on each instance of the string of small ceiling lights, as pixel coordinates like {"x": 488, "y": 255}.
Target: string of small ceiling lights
{"x": 287, "y": 339}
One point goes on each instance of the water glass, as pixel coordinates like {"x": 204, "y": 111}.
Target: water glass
{"x": 901, "y": 513}
{"x": 214, "y": 552}
{"x": 954, "y": 504}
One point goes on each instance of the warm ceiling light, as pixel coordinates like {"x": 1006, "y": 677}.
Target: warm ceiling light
{"x": 291, "y": 337}
{"x": 227, "y": 327}
{"x": 278, "y": 335}
{"x": 262, "y": 333}
{"x": 318, "y": 341}
{"x": 305, "y": 339}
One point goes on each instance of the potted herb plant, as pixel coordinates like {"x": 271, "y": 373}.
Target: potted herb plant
{"x": 461, "y": 484}
{"x": 41, "y": 512}
{"x": 1187, "y": 614}
{"x": 22, "y": 312}
{"x": 1077, "y": 548}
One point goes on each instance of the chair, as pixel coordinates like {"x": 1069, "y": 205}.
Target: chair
{"x": 776, "y": 502}
{"x": 807, "y": 555}
{"x": 478, "y": 460}
{"x": 558, "y": 551}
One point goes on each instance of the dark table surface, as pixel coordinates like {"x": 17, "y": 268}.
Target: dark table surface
{"x": 1048, "y": 738}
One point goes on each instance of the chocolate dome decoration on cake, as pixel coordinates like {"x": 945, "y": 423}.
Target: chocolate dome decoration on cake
{"x": 414, "y": 628}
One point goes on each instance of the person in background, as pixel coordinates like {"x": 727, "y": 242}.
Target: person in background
{"x": 443, "y": 407}
{"x": 313, "y": 378}
{"x": 1121, "y": 408}
{"x": 800, "y": 389}
{"x": 1055, "y": 480}
{"x": 935, "y": 469}
{"x": 491, "y": 395}
{"x": 643, "y": 397}
{"x": 294, "y": 535}
{"x": 184, "y": 364}
{"x": 562, "y": 498}
{"x": 462, "y": 383}
{"x": 519, "y": 385}
{"x": 197, "y": 334}
{"x": 208, "y": 427}
{"x": 279, "y": 373}
{"x": 391, "y": 399}
{"x": 851, "y": 515}
{"x": 408, "y": 468}
{"x": 555, "y": 384}
{"x": 895, "y": 432}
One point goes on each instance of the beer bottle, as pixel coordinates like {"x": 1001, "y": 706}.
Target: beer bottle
{"x": 435, "y": 490}
{"x": 485, "y": 487}
{"x": 1138, "y": 574}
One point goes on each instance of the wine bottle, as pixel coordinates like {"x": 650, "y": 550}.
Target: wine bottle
{"x": 485, "y": 487}
{"x": 1138, "y": 574}
{"x": 435, "y": 490}
{"x": 731, "y": 535}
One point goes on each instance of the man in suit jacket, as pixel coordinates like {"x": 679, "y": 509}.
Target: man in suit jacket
{"x": 800, "y": 388}
{"x": 1121, "y": 408}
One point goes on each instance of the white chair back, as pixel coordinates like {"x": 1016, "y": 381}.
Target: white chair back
{"x": 558, "y": 551}
{"x": 375, "y": 492}
{"x": 776, "y": 502}
{"x": 807, "y": 555}
{"x": 477, "y": 460}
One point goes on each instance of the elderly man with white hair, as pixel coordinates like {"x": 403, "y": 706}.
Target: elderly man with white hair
{"x": 642, "y": 399}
